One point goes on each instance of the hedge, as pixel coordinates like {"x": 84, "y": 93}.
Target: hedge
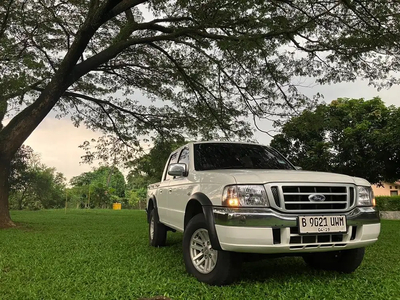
{"x": 388, "y": 203}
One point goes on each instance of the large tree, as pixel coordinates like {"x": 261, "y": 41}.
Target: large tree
{"x": 351, "y": 136}
{"x": 213, "y": 61}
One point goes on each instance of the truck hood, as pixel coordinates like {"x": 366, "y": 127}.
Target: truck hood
{"x": 267, "y": 176}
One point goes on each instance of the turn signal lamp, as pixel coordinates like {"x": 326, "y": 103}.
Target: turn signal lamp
{"x": 233, "y": 202}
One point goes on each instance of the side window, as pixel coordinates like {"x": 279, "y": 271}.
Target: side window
{"x": 184, "y": 157}
{"x": 172, "y": 160}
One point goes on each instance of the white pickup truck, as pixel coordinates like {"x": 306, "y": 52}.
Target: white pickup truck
{"x": 232, "y": 200}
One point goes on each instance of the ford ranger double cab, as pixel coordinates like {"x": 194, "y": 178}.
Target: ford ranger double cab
{"x": 235, "y": 200}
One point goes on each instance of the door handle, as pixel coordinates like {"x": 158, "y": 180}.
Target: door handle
{"x": 170, "y": 190}
{"x": 160, "y": 190}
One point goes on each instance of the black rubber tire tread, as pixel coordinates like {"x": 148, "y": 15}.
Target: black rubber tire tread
{"x": 228, "y": 263}
{"x": 311, "y": 260}
{"x": 345, "y": 261}
{"x": 160, "y": 232}
{"x": 350, "y": 260}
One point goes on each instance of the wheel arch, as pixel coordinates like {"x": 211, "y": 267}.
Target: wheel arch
{"x": 200, "y": 203}
{"x": 152, "y": 204}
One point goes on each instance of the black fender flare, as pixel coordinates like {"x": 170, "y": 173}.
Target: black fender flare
{"x": 154, "y": 202}
{"x": 207, "y": 208}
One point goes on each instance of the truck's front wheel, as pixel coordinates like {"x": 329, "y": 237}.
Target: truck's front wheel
{"x": 346, "y": 261}
{"x": 157, "y": 231}
{"x": 201, "y": 260}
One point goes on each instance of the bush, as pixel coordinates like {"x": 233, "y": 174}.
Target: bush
{"x": 388, "y": 203}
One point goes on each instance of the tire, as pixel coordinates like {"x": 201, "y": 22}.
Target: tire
{"x": 351, "y": 260}
{"x": 210, "y": 266}
{"x": 345, "y": 261}
{"x": 157, "y": 231}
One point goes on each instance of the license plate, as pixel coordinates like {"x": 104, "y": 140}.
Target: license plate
{"x": 322, "y": 224}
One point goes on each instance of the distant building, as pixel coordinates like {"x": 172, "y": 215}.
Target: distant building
{"x": 387, "y": 189}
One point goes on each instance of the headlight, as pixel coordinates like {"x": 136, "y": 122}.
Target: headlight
{"x": 365, "y": 196}
{"x": 244, "y": 195}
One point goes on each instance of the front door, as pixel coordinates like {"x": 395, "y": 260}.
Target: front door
{"x": 180, "y": 189}
{"x": 163, "y": 192}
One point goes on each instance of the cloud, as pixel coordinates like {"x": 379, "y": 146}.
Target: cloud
{"x": 357, "y": 89}
{"x": 57, "y": 142}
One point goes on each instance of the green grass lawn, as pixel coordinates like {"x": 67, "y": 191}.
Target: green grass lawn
{"x": 104, "y": 254}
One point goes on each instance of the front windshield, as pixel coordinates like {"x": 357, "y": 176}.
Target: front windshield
{"x": 214, "y": 156}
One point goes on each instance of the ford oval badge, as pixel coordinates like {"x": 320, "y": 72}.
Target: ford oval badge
{"x": 316, "y": 198}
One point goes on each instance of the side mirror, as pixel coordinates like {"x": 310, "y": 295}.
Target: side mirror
{"x": 298, "y": 168}
{"x": 177, "y": 169}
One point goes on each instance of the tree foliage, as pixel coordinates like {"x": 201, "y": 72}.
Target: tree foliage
{"x": 137, "y": 197}
{"x": 19, "y": 170}
{"x": 33, "y": 185}
{"x": 213, "y": 63}
{"x": 148, "y": 167}
{"x": 351, "y": 136}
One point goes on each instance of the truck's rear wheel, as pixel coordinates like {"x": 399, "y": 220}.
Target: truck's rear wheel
{"x": 346, "y": 261}
{"x": 157, "y": 231}
{"x": 201, "y": 260}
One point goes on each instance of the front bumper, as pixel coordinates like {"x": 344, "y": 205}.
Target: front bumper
{"x": 268, "y": 231}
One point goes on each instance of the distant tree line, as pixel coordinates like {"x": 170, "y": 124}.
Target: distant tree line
{"x": 99, "y": 188}
{"x": 33, "y": 185}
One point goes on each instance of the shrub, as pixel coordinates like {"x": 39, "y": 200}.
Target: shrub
{"x": 388, "y": 203}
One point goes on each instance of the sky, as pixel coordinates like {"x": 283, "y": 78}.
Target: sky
{"x": 57, "y": 141}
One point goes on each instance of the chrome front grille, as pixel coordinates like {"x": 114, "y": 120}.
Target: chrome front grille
{"x": 312, "y": 197}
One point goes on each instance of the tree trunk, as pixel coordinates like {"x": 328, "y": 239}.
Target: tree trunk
{"x": 5, "y": 219}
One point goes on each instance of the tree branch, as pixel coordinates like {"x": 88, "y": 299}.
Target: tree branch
{"x": 21, "y": 91}
{"x": 113, "y": 50}
{"x": 108, "y": 103}
{"x": 189, "y": 81}
{"x": 5, "y": 19}
{"x": 120, "y": 7}
{"x": 121, "y": 137}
